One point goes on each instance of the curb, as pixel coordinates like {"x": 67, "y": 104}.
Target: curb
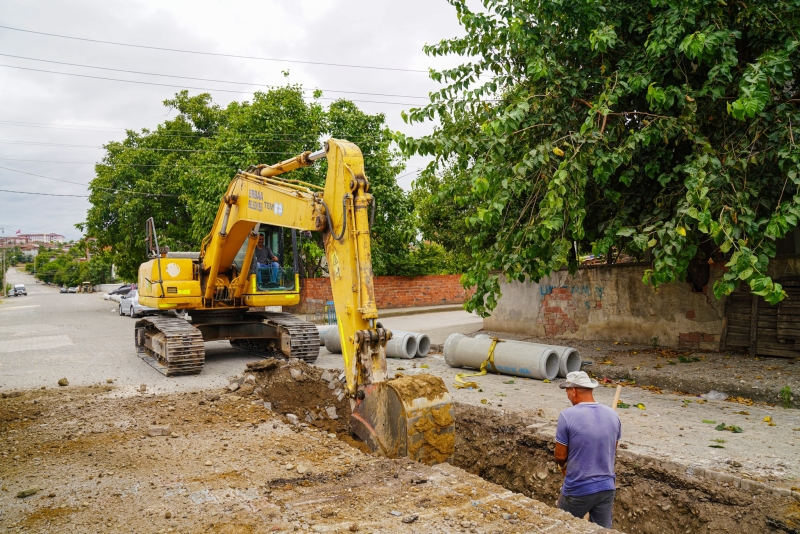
{"x": 400, "y": 312}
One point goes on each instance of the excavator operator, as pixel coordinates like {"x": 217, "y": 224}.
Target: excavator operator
{"x": 266, "y": 261}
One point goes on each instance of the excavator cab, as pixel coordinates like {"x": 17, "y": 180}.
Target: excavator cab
{"x": 271, "y": 275}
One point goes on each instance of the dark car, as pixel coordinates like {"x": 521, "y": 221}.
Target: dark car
{"x": 122, "y": 290}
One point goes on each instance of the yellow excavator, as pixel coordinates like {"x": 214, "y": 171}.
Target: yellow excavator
{"x": 221, "y": 289}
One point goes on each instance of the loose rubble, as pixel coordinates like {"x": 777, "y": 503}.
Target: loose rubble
{"x": 92, "y": 465}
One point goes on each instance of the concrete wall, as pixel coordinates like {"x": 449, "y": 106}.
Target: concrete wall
{"x": 390, "y": 292}
{"x": 611, "y": 303}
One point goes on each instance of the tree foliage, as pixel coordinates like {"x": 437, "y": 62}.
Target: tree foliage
{"x": 189, "y": 160}
{"x": 668, "y": 125}
{"x": 71, "y": 268}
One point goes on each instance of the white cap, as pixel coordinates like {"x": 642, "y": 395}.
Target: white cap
{"x": 578, "y": 379}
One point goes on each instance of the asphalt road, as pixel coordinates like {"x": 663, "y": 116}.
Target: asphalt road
{"x": 49, "y": 335}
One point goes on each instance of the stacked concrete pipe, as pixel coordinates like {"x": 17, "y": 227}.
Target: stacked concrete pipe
{"x": 323, "y": 332}
{"x": 569, "y": 359}
{"x": 423, "y": 342}
{"x": 400, "y": 346}
{"x": 509, "y": 358}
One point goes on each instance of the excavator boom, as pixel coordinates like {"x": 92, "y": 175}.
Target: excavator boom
{"x": 404, "y": 416}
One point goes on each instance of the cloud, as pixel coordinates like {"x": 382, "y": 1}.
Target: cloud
{"x": 384, "y": 33}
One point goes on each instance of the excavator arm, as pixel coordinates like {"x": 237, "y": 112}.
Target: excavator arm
{"x": 404, "y": 416}
{"x": 340, "y": 211}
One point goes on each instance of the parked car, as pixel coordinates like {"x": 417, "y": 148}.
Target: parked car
{"x": 63, "y": 290}
{"x": 129, "y": 305}
{"x": 117, "y": 294}
{"x": 19, "y": 289}
{"x": 122, "y": 290}
{"x": 72, "y": 289}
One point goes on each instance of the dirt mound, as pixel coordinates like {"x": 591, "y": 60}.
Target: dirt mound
{"x": 314, "y": 395}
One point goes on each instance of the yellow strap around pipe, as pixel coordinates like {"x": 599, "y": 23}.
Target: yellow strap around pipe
{"x": 489, "y": 361}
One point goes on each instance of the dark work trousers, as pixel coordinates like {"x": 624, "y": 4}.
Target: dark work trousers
{"x": 599, "y": 505}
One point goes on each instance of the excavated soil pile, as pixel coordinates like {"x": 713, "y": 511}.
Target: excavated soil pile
{"x": 314, "y": 395}
{"x": 104, "y": 459}
{"x": 652, "y": 497}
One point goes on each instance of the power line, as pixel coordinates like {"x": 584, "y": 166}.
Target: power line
{"x": 396, "y": 178}
{"x": 64, "y": 145}
{"x": 213, "y": 53}
{"x": 116, "y": 164}
{"x": 201, "y": 79}
{"x": 127, "y": 192}
{"x": 194, "y": 135}
{"x": 42, "y": 194}
{"x": 185, "y": 86}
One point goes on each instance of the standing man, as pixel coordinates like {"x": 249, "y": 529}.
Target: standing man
{"x": 586, "y": 446}
{"x": 265, "y": 259}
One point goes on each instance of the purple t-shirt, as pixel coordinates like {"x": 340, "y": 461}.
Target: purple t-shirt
{"x": 591, "y": 432}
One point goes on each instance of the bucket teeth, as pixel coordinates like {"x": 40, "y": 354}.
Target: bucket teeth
{"x": 170, "y": 345}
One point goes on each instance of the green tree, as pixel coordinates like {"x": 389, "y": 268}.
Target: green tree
{"x": 625, "y": 125}
{"x": 441, "y": 218}
{"x": 178, "y": 173}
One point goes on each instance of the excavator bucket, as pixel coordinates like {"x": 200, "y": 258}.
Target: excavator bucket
{"x": 409, "y": 416}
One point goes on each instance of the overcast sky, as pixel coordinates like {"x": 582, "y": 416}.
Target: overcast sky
{"x": 85, "y": 113}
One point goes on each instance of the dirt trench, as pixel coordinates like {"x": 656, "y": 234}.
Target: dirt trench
{"x": 650, "y": 498}
{"x": 506, "y": 449}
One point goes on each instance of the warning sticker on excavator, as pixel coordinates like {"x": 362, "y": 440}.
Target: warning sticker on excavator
{"x": 173, "y": 269}
{"x": 337, "y": 270}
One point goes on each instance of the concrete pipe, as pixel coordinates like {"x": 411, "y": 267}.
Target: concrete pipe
{"x": 518, "y": 359}
{"x": 400, "y": 346}
{"x": 569, "y": 359}
{"x": 423, "y": 342}
{"x": 324, "y": 330}
{"x": 332, "y": 342}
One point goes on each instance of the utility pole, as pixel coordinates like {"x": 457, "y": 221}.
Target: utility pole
{"x": 3, "y": 289}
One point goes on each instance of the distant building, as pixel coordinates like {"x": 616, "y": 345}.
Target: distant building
{"x": 12, "y": 241}
{"x": 30, "y": 250}
{"x": 23, "y": 239}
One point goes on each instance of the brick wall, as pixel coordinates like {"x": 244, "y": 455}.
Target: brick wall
{"x": 390, "y": 292}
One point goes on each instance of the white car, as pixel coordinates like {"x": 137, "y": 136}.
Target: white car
{"x": 18, "y": 290}
{"x": 129, "y": 305}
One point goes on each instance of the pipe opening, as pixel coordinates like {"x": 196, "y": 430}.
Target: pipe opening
{"x": 551, "y": 364}
{"x": 424, "y": 346}
{"x": 573, "y": 361}
{"x": 410, "y": 346}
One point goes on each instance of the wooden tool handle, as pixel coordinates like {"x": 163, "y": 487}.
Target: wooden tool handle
{"x": 616, "y": 397}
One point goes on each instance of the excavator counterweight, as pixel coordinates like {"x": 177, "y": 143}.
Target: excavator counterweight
{"x": 242, "y": 265}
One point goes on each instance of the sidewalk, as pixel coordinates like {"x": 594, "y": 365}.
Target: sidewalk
{"x": 394, "y": 312}
{"x": 400, "y": 312}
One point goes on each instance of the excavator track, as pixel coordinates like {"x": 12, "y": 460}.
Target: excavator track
{"x": 170, "y": 345}
{"x": 304, "y": 337}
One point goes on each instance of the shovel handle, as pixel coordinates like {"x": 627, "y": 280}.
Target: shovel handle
{"x": 616, "y": 397}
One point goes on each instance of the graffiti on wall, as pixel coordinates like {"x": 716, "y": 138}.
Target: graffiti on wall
{"x": 561, "y": 305}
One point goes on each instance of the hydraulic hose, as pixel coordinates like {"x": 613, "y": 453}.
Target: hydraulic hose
{"x": 344, "y": 218}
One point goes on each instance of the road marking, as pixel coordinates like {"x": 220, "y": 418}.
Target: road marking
{"x": 35, "y": 343}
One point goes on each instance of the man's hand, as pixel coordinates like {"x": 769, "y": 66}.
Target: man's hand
{"x": 561, "y": 455}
